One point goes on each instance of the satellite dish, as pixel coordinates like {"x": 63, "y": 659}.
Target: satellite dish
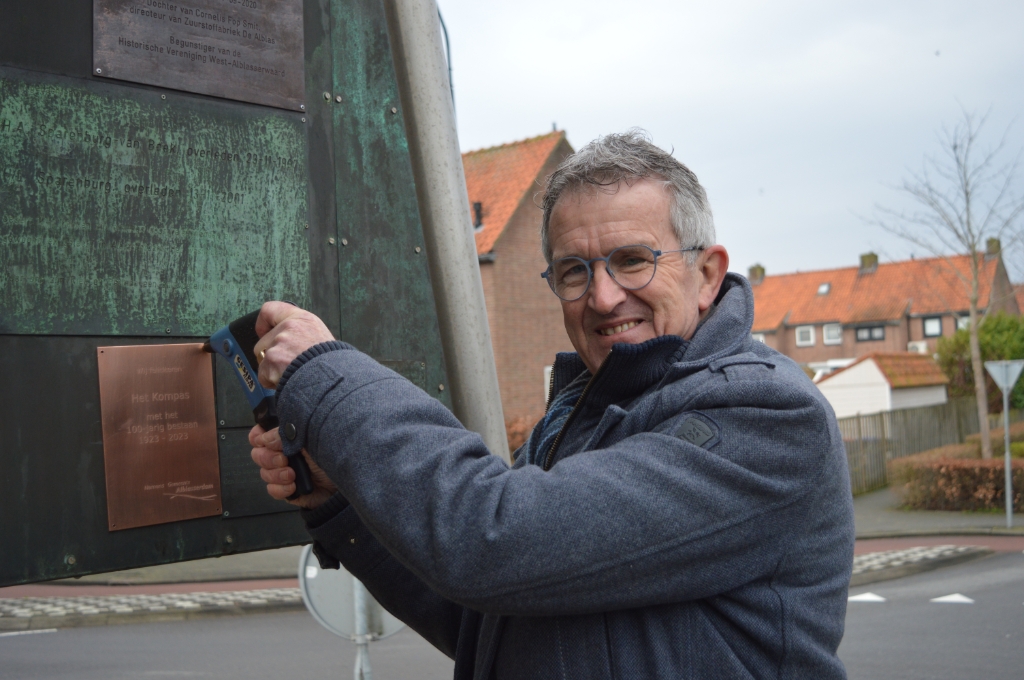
{"x": 330, "y": 596}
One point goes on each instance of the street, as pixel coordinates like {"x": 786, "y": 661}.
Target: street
{"x": 906, "y": 636}
{"x": 909, "y": 637}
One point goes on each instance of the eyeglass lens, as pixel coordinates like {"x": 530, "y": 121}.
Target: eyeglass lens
{"x": 632, "y": 267}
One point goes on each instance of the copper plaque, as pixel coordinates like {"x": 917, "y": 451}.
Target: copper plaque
{"x": 248, "y": 50}
{"x": 159, "y": 434}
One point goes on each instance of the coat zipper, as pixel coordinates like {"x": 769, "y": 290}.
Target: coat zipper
{"x": 549, "y": 459}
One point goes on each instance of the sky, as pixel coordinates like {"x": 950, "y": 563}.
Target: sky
{"x": 798, "y": 118}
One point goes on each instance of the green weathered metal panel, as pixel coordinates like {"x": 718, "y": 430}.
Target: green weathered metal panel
{"x": 125, "y": 211}
{"x": 383, "y": 266}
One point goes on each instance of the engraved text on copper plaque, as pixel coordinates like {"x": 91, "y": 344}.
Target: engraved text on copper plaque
{"x": 159, "y": 434}
{"x": 249, "y": 50}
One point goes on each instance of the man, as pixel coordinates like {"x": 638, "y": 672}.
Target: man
{"x": 681, "y": 511}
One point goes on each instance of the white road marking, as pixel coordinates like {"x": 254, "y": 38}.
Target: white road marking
{"x": 866, "y": 597}
{"x": 955, "y": 598}
{"x": 28, "y": 632}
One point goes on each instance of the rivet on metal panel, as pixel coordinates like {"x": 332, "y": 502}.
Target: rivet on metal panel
{"x": 163, "y": 96}
{"x": 302, "y": 106}
{"x": 327, "y": 96}
{"x": 227, "y": 513}
{"x": 303, "y": 120}
{"x": 99, "y": 70}
{"x": 440, "y": 388}
{"x": 423, "y": 364}
{"x": 222, "y": 422}
{"x": 344, "y": 241}
{"x": 394, "y": 109}
{"x": 229, "y": 539}
{"x": 417, "y": 249}
{"x": 307, "y": 225}
{"x": 331, "y": 240}
{"x": 167, "y": 330}
{"x": 223, "y": 436}
{"x": 337, "y": 98}
{"x": 70, "y": 560}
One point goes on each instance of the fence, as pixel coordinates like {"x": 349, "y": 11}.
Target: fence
{"x": 873, "y": 440}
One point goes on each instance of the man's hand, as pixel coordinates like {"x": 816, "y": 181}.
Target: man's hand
{"x": 285, "y": 332}
{"x": 267, "y": 452}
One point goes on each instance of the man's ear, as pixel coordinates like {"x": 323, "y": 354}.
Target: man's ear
{"x": 714, "y": 264}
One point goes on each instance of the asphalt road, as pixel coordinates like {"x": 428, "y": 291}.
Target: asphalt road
{"x": 908, "y": 637}
{"x": 291, "y": 646}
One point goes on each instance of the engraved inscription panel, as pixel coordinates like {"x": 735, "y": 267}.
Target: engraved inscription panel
{"x": 249, "y": 50}
{"x": 159, "y": 434}
{"x": 123, "y": 213}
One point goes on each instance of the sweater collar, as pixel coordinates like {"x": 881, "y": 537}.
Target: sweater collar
{"x": 629, "y": 370}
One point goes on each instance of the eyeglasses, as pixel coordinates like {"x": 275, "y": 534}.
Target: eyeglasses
{"x": 632, "y": 267}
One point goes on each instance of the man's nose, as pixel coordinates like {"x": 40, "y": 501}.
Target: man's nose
{"x": 605, "y": 294}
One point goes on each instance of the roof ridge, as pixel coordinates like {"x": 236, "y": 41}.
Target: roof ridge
{"x": 559, "y": 133}
{"x": 857, "y": 267}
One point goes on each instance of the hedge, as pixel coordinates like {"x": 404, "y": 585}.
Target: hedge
{"x": 927, "y": 482}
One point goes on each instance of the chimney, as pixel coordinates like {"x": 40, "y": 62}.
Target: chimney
{"x": 868, "y": 263}
{"x": 755, "y": 274}
{"x": 478, "y": 214}
{"x": 992, "y": 247}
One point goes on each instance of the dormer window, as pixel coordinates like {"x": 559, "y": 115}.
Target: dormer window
{"x": 824, "y": 288}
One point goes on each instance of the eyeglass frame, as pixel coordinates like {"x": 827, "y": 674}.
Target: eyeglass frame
{"x": 546, "y": 274}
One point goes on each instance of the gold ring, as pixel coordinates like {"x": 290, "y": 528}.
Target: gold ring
{"x": 261, "y": 356}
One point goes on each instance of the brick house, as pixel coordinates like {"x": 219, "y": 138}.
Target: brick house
{"x": 826, "y": 319}
{"x": 525, "y": 317}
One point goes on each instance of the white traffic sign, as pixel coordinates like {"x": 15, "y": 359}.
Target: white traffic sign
{"x": 1005, "y": 373}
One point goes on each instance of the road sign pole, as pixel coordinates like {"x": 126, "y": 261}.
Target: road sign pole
{"x": 362, "y": 631}
{"x": 1005, "y": 374}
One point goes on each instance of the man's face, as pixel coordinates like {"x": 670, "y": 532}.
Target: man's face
{"x": 591, "y": 223}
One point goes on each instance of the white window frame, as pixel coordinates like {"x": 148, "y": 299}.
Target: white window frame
{"x": 924, "y": 327}
{"x": 834, "y": 327}
{"x": 963, "y": 323}
{"x": 759, "y": 337}
{"x": 805, "y": 343}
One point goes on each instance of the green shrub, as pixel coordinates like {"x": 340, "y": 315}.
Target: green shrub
{"x": 926, "y": 483}
{"x": 1000, "y": 336}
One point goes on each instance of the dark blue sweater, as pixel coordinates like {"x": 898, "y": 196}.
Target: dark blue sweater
{"x": 695, "y": 522}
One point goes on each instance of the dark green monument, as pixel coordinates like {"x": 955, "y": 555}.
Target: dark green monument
{"x": 165, "y": 167}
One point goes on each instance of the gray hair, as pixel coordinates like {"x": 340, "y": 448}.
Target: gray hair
{"x": 629, "y": 157}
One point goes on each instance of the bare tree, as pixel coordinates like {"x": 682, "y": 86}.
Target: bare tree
{"x": 964, "y": 197}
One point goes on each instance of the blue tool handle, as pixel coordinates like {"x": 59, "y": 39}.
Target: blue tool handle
{"x": 236, "y": 342}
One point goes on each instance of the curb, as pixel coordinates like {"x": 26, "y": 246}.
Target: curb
{"x": 32, "y": 613}
{"x": 966, "y": 554}
{"x": 917, "y": 533}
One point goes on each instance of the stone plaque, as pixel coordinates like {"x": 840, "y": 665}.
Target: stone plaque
{"x": 248, "y": 50}
{"x": 159, "y": 434}
{"x": 124, "y": 213}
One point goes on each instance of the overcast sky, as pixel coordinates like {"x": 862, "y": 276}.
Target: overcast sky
{"x": 796, "y": 116}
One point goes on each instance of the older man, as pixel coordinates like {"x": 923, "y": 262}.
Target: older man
{"x": 681, "y": 511}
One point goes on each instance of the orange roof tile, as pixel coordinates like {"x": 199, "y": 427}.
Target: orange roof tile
{"x": 901, "y": 369}
{"x": 501, "y": 176}
{"x": 1018, "y": 292}
{"x": 924, "y": 286}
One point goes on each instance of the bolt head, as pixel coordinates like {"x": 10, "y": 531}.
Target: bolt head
{"x": 440, "y": 388}
{"x": 99, "y": 70}
{"x": 417, "y": 249}
{"x": 302, "y": 106}
{"x": 303, "y": 120}
{"x": 344, "y": 241}
{"x": 338, "y": 98}
{"x": 331, "y": 240}
{"x": 163, "y": 96}
{"x": 327, "y": 96}
{"x": 394, "y": 109}
{"x": 222, "y": 422}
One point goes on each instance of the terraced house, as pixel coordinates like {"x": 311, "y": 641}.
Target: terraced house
{"x": 827, "y": 319}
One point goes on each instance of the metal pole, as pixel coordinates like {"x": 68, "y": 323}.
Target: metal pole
{"x": 425, "y": 93}
{"x": 362, "y": 630}
{"x": 1006, "y": 441}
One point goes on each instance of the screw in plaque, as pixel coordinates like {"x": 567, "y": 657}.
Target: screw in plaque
{"x": 327, "y": 96}
{"x": 394, "y": 109}
{"x": 338, "y": 99}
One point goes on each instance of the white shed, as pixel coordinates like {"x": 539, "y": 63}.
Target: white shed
{"x": 884, "y": 382}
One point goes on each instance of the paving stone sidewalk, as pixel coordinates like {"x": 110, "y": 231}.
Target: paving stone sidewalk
{"x": 33, "y": 613}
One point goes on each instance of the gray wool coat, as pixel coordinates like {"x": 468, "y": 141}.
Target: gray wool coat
{"x": 695, "y": 522}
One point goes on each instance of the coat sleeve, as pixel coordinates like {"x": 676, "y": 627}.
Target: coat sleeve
{"x": 344, "y": 537}
{"x": 651, "y": 519}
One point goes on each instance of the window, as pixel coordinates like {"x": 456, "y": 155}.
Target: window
{"x": 759, "y": 337}
{"x": 963, "y": 323}
{"x": 824, "y": 288}
{"x": 871, "y": 333}
{"x": 832, "y": 334}
{"x": 804, "y": 336}
{"x": 932, "y": 327}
